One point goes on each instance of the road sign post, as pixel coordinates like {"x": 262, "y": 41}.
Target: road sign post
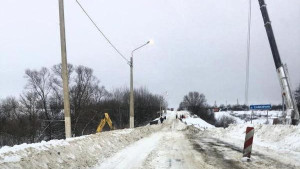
{"x": 261, "y": 107}
{"x": 251, "y": 116}
{"x": 267, "y": 116}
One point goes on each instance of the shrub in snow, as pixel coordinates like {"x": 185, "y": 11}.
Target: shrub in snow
{"x": 224, "y": 121}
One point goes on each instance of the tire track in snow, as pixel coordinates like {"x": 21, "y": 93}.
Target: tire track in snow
{"x": 224, "y": 155}
{"x": 134, "y": 155}
{"x": 175, "y": 152}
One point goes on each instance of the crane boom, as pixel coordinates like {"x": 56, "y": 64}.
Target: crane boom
{"x": 292, "y": 110}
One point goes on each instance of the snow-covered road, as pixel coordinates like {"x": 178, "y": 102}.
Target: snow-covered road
{"x": 225, "y": 155}
{"x": 134, "y": 155}
{"x": 175, "y": 151}
{"x": 168, "y": 148}
{"x": 177, "y": 146}
{"x": 171, "y": 145}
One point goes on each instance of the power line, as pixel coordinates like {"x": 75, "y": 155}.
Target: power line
{"x": 128, "y": 62}
{"x": 248, "y": 54}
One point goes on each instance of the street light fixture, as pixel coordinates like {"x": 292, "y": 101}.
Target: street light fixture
{"x": 151, "y": 42}
{"x": 130, "y": 63}
{"x": 131, "y": 119}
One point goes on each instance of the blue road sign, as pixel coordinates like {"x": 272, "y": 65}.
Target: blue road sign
{"x": 261, "y": 107}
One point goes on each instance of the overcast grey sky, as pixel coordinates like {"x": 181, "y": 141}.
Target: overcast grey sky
{"x": 200, "y": 45}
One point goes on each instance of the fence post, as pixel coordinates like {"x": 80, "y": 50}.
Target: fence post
{"x": 251, "y": 116}
{"x": 268, "y": 116}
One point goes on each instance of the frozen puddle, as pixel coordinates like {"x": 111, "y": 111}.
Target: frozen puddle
{"x": 132, "y": 156}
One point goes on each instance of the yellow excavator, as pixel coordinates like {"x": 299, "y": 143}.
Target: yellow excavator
{"x": 103, "y": 121}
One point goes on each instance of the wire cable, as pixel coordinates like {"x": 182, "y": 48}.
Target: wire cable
{"x": 248, "y": 53}
{"x": 113, "y": 46}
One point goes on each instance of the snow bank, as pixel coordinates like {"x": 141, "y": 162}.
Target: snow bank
{"x": 193, "y": 120}
{"x": 283, "y": 137}
{"x": 279, "y": 141}
{"x": 197, "y": 122}
{"x": 180, "y": 126}
{"x": 81, "y": 152}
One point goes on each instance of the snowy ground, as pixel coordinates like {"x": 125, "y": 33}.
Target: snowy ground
{"x": 279, "y": 142}
{"x": 258, "y": 117}
{"x": 172, "y": 144}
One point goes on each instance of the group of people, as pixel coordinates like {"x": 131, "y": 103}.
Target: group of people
{"x": 180, "y": 117}
{"x": 162, "y": 119}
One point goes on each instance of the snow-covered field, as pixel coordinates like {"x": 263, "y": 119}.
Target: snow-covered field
{"x": 192, "y": 143}
{"x": 258, "y": 117}
{"x": 240, "y": 117}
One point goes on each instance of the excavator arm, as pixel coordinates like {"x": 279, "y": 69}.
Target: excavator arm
{"x": 108, "y": 120}
{"x": 101, "y": 125}
{"x": 103, "y": 121}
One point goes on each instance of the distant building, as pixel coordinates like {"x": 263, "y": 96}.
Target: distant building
{"x": 216, "y": 109}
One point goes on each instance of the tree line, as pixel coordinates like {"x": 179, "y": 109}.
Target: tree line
{"x": 37, "y": 114}
{"x": 196, "y": 103}
{"x": 297, "y": 96}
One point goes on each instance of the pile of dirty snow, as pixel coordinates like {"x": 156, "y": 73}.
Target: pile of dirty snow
{"x": 281, "y": 137}
{"x": 279, "y": 141}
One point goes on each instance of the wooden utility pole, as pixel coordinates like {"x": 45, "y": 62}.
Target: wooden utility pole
{"x": 131, "y": 106}
{"x": 64, "y": 70}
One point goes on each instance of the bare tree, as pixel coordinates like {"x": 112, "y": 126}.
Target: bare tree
{"x": 38, "y": 114}
{"x": 39, "y": 83}
{"x": 11, "y": 130}
{"x": 83, "y": 93}
{"x": 29, "y": 107}
{"x": 193, "y": 101}
{"x": 9, "y": 108}
{"x": 56, "y": 80}
{"x": 146, "y": 105}
{"x": 297, "y": 96}
{"x": 99, "y": 93}
{"x": 196, "y": 104}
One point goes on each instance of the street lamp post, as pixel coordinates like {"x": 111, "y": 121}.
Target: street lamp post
{"x": 131, "y": 118}
{"x": 166, "y": 102}
{"x": 161, "y": 104}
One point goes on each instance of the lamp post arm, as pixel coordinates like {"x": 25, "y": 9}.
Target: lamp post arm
{"x": 139, "y": 48}
{"x": 131, "y": 107}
